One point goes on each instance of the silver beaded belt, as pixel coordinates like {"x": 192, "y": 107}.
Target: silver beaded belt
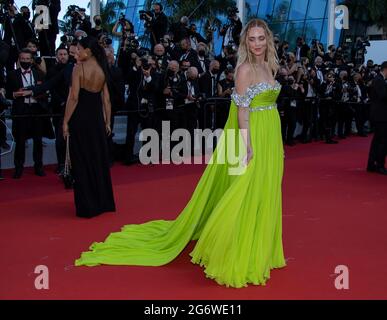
{"x": 263, "y": 108}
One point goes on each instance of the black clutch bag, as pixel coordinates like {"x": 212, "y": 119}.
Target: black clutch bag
{"x": 67, "y": 177}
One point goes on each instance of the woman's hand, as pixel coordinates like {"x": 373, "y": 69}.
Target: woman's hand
{"x": 249, "y": 155}
{"x": 65, "y": 128}
{"x": 108, "y": 129}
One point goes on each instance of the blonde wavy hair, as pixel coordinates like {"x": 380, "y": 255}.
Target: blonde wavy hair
{"x": 245, "y": 55}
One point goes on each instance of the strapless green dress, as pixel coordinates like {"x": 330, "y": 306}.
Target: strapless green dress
{"x": 235, "y": 218}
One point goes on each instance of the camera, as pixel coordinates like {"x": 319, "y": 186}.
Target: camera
{"x": 66, "y": 39}
{"x": 144, "y": 15}
{"x": 231, "y": 12}
{"x": 231, "y": 47}
{"x": 122, "y": 19}
{"x": 145, "y": 64}
{"x": 108, "y": 41}
{"x": 132, "y": 42}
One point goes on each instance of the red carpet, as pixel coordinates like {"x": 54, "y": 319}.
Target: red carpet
{"x": 334, "y": 214}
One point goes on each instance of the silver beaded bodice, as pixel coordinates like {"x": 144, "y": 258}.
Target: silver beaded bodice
{"x": 244, "y": 101}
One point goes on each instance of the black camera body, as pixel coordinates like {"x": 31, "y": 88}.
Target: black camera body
{"x": 4, "y": 5}
{"x": 144, "y": 15}
{"x": 231, "y": 12}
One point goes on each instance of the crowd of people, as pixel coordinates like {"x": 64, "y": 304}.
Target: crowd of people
{"x": 178, "y": 78}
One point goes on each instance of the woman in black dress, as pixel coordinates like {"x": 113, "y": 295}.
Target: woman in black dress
{"x": 87, "y": 123}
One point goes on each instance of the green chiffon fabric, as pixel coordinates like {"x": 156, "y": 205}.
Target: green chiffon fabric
{"x": 236, "y": 219}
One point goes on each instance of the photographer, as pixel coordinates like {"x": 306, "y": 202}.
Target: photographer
{"x": 7, "y": 18}
{"x": 38, "y": 62}
{"x": 79, "y": 19}
{"x": 232, "y": 30}
{"x": 189, "y": 94}
{"x": 180, "y": 30}
{"x": 282, "y": 52}
{"x": 24, "y": 29}
{"x": 195, "y": 37}
{"x": 184, "y": 65}
{"x": 187, "y": 53}
{"x": 170, "y": 47}
{"x": 228, "y": 57}
{"x": 144, "y": 86}
{"x": 29, "y": 127}
{"x": 208, "y": 86}
{"x": 309, "y": 107}
{"x": 330, "y": 56}
{"x": 156, "y": 22}
{"x": 105, "y": 41}
{"x": 161, "y": 58}
{"x": 97, "y": 29}
{"x": 172, "y": 82}
{"x": 127, "y": 28}
{"x": 58, "y": 84}
{"x": 316, "y": 50}
{"x": 345, "y": 112}
{"x": 302, "y": 49}
{"x": 360, "y": 50}
{"x": 116, "y": 87}
{"x": 203, "y": 61}
{"x": 295, "y": 93}
{"x": 330, "y": 93}
{"x": 359, "y": 98}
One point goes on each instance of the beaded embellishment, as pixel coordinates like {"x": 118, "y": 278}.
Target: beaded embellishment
{"x": 244, "y": 100}
{"x": 263, "y": 108}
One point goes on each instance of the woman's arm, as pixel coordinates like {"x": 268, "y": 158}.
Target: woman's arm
{"x": 115, "y": 32}
{"x": 42, "y": 66}
{"x": 107, "y": 107}
{"x": 242, "y": 101}
{"x": 72, "y": 99}
{"x": 220, "y": 90}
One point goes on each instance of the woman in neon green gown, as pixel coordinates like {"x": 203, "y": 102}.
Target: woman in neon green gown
{"x": 236, "y": 218}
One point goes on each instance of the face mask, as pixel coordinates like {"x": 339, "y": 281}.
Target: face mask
{"x": 25, "y": 65}
{"x": 72, "y": 59}
{"x": 170, "y": 73}
{"x": 215, "y": 71}
{"x": 98, "y": 22}
{"x": 26, "y": 15}
{"x": 202, "y": 53}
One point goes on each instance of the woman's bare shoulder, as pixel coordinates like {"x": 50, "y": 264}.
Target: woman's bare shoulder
{"x": 244, "y": 70}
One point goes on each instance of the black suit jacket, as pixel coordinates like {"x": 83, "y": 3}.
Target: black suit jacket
{"x": 378, "y": 94}
{"x": 41, "y": 125}
{"x": 14, "y": 83}
{"x": 205, "y": 85}
{"x": 24, "y": 31}
{"x": 183, "y": 91}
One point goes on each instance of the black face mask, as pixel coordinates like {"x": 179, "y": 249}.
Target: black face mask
{"x": 170, "y": 73}
{"x": 202, "y": 53}
{"x": 215, "y": 71}
{"x": 72, "y": 59}
{"x": 26, "y": 15}
{"x": 25, "y": 65}
{"x": 98, "y": 22}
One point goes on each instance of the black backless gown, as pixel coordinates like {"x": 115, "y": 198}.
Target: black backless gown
{"x": 93, "y": 192}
